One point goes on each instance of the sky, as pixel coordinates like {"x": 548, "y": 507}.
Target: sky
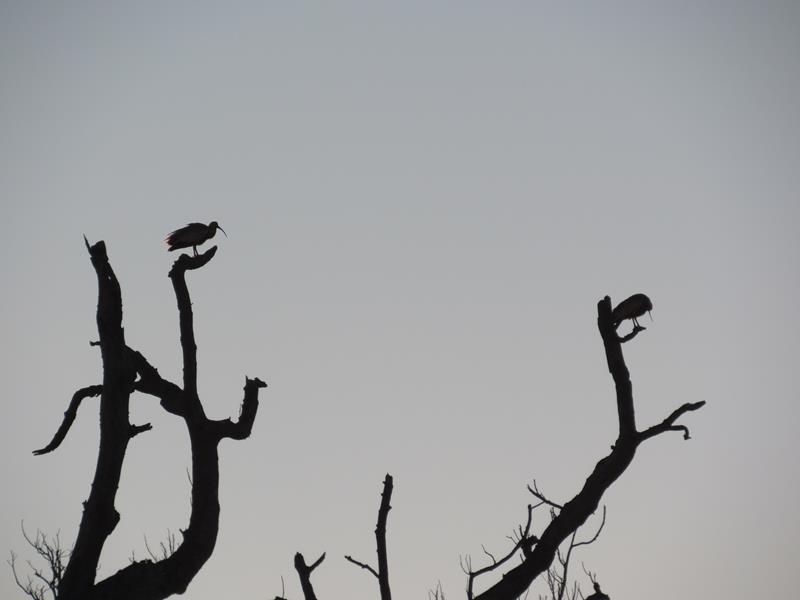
{"x": 424, "y": 203}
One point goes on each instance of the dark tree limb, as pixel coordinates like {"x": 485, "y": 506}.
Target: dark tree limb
{"x": 364, "y": 566}
{"x": 151, "y": 383}
{"x": 69, "y": 417}
{"x": 535, "y": 491}
{"x": 668, "y": 424}
{"x": 380, "y": 536}
{"x": 575, "y": 512}
{"x": 524, "y": 542}
{"x": 241, "y": 429}
{"x": 124, "y": 371}
{"x": 634, "y": 332}
{"x": 382, "y": 573}
{"x": 178, "y": 276}
{"x": 99, "y": 516}
{"x": 304, "y": 573}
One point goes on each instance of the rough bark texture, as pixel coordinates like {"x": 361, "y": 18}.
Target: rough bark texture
{"x": 147, "y": 579}
{"x": 574, "y": 513}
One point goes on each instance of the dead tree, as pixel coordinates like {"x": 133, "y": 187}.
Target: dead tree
{"x": 126, "y": 371}
{"x": 382, "y": 574}
{"x": 539, "y": 552}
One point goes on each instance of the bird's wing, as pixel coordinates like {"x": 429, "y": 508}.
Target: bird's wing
{"x": 175, "y": 236}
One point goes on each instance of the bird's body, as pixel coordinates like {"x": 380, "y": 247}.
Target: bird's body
{"x": 192, "y": 236}
{"x": 631, "y": 308}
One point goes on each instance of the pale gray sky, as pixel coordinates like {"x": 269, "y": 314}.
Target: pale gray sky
{"x": 425, "y": 202}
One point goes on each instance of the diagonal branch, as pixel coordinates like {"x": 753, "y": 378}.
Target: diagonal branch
{"x": 363, "y": 566}
{"x": 574, "y": 513}
{"x": 535, "y": 491}
{"x": 668, "y": 423}
{"x": 69, "y": 417}
{"x": 524, "y": 543}
{"x": 152, "y": 384}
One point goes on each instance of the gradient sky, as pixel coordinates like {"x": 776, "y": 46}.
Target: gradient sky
{"x": 425, "y": 200}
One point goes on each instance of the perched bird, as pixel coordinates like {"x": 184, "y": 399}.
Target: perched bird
{"x": 192, "y": 235}
{"x": 631, "y": 308}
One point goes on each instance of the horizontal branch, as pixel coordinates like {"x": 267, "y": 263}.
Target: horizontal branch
{"x": 668, "y": 424}
{"x": 137, "y": 429}
{"x": 69, "y": 417}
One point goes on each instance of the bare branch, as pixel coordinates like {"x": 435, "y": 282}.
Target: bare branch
{"x": 524, "y": 543}
{"x": 535, "y": 491}
{"x": 382, "y": 573}
{"x": 137, "y": 429}
{"x": 597, "y": 533}
{"x": 668, "y": 423}
{"x": 53, "y": 555}
{"x": 69, "y": 417}
{"x": 304, "y": 572}
{"x": 608, "y": 469}
{"x": 241, "y": 429}
{"x": 636, "y": 329}
{"x": 362, "y": 565}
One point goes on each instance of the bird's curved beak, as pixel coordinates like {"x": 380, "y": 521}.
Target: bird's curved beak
{"x": 222, "y": 230}
{"x": 648, "y": 312}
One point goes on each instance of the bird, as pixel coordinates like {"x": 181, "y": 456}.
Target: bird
{"x": 631, "y": 308}
{"x": 192, "y": 236}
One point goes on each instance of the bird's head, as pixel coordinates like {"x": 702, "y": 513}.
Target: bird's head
{"x": 214, "y": 226}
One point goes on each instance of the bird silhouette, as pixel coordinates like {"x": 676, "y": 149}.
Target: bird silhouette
{"x": 192, "y": 235}
{"x": 631, "y": 308}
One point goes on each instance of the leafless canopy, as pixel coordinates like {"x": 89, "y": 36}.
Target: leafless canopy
{"x": 539, "y": 552}
{"x": 125, "y": 371}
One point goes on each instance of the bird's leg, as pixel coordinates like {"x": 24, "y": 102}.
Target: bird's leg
{"x": 194, "y": 249}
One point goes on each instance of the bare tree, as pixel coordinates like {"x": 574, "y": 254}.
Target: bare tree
{"x": 125, "y": 371}
{"x": 382, "y": 573}
{"x": 539, "y": 552}
{"x": 39, "y": 583}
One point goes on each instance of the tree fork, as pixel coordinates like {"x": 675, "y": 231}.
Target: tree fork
{"x": 574, "y": 513}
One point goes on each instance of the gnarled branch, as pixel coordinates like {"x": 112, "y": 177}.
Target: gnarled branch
{"x": 69, "y": 417}
{"x": 575, "y": 512}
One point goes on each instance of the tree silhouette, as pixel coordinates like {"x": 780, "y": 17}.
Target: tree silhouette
{"x": 125, "y": 371}
{"x": 538, "y": 553}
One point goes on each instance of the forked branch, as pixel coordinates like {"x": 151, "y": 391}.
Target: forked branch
{"x": 304, "y": 573}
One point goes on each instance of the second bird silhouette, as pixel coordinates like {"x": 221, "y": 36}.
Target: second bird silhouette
{"x": 192, "y": 236}
{"x": 632, "y": 308}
